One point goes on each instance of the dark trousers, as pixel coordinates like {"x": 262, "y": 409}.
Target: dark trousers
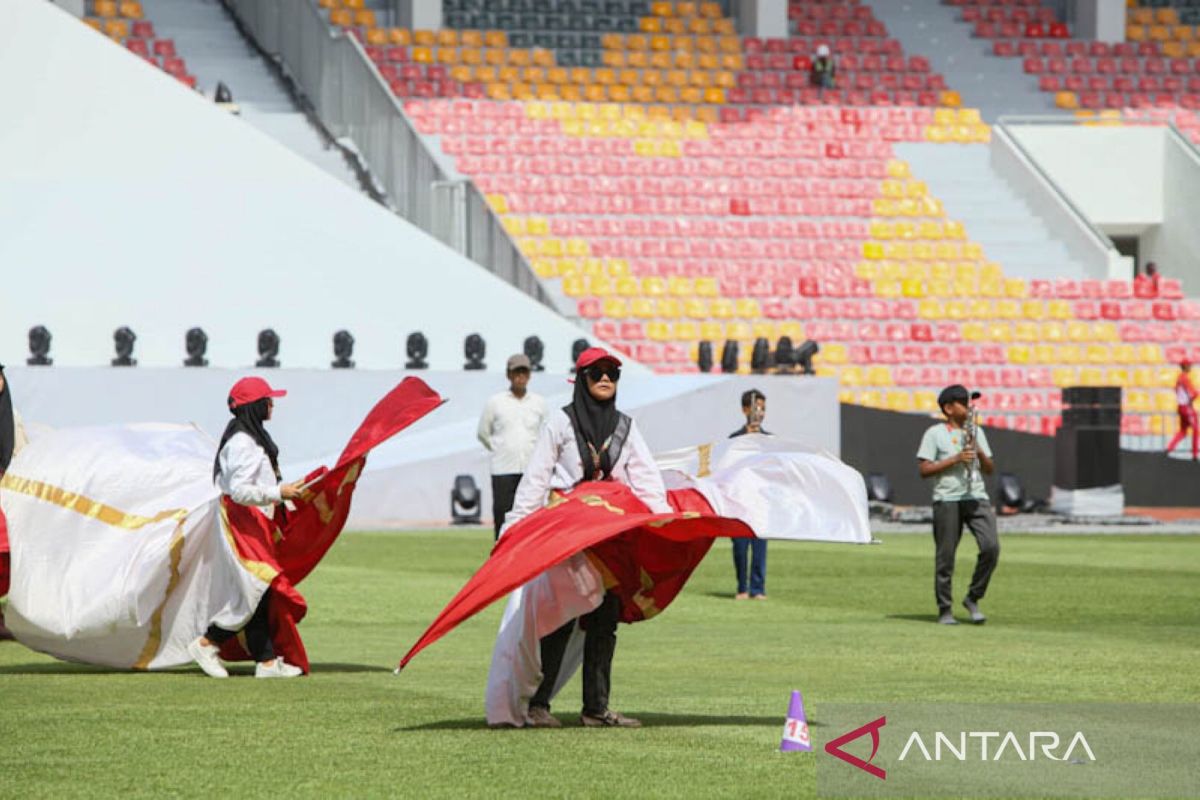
{"x": 948, "y": 521}
{"x": 504, "y": 491}
{"x": 258, "y": 632}
{"x": 758, "y": 565}
{"x": 599, "y": 645}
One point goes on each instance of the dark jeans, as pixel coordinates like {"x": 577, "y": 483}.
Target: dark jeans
{"x": 948, "y": 521}
{"x": 258, "y": 632}
{"x": 599, "y": 645}
{"x": 758, "y": 565}
{"x": 504, "y": 491}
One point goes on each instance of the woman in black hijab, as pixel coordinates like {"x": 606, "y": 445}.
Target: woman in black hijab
{"x": 12, "y": 439}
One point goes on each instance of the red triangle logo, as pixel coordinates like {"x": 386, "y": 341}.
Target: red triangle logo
{"x": 834, "y": 747}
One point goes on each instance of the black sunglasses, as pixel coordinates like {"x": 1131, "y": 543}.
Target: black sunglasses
{"x": 598, "y": 371}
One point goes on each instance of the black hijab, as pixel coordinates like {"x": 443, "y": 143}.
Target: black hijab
{"x": 594, "y": 422}
{"x": 248, "y": 419}
{"x": 8, "y": 430}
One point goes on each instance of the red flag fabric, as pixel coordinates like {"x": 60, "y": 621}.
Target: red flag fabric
{"x": 645, "y": 558}
{"x": 4, "y": 555}
{"x": 292, "y": 550}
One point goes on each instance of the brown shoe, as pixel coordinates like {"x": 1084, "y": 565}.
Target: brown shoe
{"x": 539, "y": 717}
{"x": 759, "y": 597}
{"x": 741, "y": 596}
{"x": 609, "y": 719}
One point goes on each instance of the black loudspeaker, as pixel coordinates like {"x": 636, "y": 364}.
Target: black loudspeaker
{"x": 1086, "y": 457}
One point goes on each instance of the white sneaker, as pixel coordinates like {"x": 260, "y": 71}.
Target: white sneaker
{"x": 280, "y": 669}
{"x": 206, "y": 657}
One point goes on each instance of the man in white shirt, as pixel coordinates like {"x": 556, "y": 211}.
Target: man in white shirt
{"x": 509, "y": 428}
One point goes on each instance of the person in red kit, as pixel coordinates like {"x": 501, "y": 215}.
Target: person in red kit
{"x": 1185, "y": 395}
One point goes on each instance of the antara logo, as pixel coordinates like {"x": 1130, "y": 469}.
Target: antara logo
{"x": 834, "y": 748}
{"x": 1049, "y": 743}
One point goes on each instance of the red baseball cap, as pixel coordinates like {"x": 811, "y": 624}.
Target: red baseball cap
{"x": 592, "y": 355}
{"x": 247, "y": 390}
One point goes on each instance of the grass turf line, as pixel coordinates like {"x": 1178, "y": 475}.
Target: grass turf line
{"x": 1072, "y": 618}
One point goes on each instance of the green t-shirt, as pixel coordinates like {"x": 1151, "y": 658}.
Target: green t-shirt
{"x": 942, "y": 441}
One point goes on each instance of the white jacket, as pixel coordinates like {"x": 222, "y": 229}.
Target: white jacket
{"x": 246, "y": 474}
{"x": 555, "y": 464}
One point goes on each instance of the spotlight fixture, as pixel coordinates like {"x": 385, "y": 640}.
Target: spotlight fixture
{"x": 879, "y": 488}
{"x": 196, "y": 344}
{"x": 785, "y": 354}
{"x": 729, "y": 356}
{"x": 577, "y": 348}
{"x": 465, "y": 505}
{"x": 474, "y": 350}
{"x": 535, "y": 351}
{"x": 343, "y": 348}
{"x": 704, "y": 356}
{"x": 804, "y": 355}
{"x": 417, "y": 348}
{"x": 268, "y": 348}
{"x": 39, "y": 347}
{"x": 123, "y": 340}
{"x": 760, "y": 356}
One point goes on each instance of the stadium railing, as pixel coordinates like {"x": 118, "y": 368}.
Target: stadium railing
{"x": 354, "y": 101}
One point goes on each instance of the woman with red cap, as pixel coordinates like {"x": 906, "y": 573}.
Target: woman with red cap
{"x": 1185, "y": 395}
{"x": 587, "y": 440}
{"x": 12, "y": 439}
{"x": 247, "y": 470}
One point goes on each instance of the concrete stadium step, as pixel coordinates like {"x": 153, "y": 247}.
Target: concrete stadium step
{"x": 993, "y": 85}
{"x": 209, "y": 42}
{"x": 994, "y": 214}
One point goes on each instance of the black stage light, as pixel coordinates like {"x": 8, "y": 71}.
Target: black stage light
{"x": 196, "y": 344}
{"x": 785, "y": 354}
{"x": 729, "y": 356}
{"x": 704, "y": 356}
{"x": 879, "y": 488}
{"x": 268, "y": 348}
{"x": 1010, "y": 495}
{"x": 804, "y": 355}
{"x": 535, "y": 351}
{"x": 343, "y": 348}
{"x": 760, "y": 356}
{"x": 123, "y": 340}
{"x": 474, "y": 350}
{"x": 39, "y": 347}
{"x": 465, "y": 505}
{"x": 577, "y": 348}
{"x": 417, "y": 348}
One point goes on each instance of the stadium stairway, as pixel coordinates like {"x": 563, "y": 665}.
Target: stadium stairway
{"x": 973, "y": 192}
{"x": 217, "y": 52}
{"x": 995, "y": 86}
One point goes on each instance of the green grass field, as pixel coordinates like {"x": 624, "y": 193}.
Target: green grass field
{"x": 1072, "y": 618}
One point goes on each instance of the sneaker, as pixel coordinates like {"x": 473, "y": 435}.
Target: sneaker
{"x": 206, "y": 657}
{"x": 973, "y": 609}
{"x": 947, "y": 618}
{"x": 539, "y": 717}
{"x": 609, "y": 719}
{"x": 280, "y": 669}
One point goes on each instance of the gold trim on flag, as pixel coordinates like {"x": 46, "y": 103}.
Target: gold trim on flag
{"x": 259, "y": 569}
{"x": 154, "y": 640}
{"x": 705, "y": 468}
{"x": 85, "y": 506}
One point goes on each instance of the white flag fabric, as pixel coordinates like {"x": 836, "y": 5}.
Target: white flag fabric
{"x": 119, "y": 552}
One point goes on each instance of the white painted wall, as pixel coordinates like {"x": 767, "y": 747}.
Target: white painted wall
{"x": 127, "y": 199}
{"x": 763, "y": 18}
{"x": 1175, "y": 245}
{"x": 1103, "y": 20}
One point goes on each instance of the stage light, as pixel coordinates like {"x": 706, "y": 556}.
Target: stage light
{"x": 785, "y": 355}
{"x": 343, "y": 348}
{"x": 1010, "y": 493}
{"x": 123, "y": 340}
{"x": 729, "y": 356}
{"x": 417, "y": 348}
{"x": 803, "y": 356}
{"x": 474, "y": 350}
{"x": 535, "y": 351}
{"x": 760, "y": 356}
{"x": 577, "y": 348}
{"x": 465, "y": 505}
{"x": 268, "y": 348}
{"x": 196, "y": 344}
{"x": 39, "y": 347}
{"x": 704, "y": 356}
{"x": 879, "y": 488}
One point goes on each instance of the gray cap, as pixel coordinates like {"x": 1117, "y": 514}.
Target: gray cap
{"x": 519, "y": 361}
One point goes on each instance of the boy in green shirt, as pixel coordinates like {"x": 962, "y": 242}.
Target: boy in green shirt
{"x": 959, "y": 498}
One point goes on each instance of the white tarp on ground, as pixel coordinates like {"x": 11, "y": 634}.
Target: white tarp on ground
{"x": 107, "y": 573}
{"x": 408, "y": 479}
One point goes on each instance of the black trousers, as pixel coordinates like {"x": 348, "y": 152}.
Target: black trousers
{"x": 948, "y": 521}
{"x": 258, "y": 632}
{"x": 599, "y": 645}
{"x": 504, "y": 491}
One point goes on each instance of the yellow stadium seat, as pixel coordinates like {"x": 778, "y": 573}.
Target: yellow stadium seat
{"x": 542, "y": 58}
{"x": 737, "y": 330}
{"x": 650, "y": 25}
{"x": 668, "y": 307}
{"x": 658, "y": 331}
{"x": 1141, "y": 16}
{"x": 696, "y": 308}
{"x": 616, "y": 308}
{"x": 364, "y": 18}
{"x": 641, "y": 307}
{"x": 748, "y": 308}
{"x": 574, "y": 286}
{"x": 105, "y": 8}
{"x": 722, "y": 308}
{"x": 687, "y": 331}
{"x": 712, "y": 331}
{"x": 724, "y": 27}
{"x": 116, "y": 28}
{"x": 1159, "y": 33}
{"x": 1053, "y": 332}
{"x": 130, "y": 9}
{"x": 447, "y": 55}
{"x": 1043, "y": 354}
{"x": 1116, "y": 376}
{"x": 1174, "y": 49}
{"x": 974, "y": 331}
{"x": 1166, "y": 16}
{"x": 1136, "y": 400}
